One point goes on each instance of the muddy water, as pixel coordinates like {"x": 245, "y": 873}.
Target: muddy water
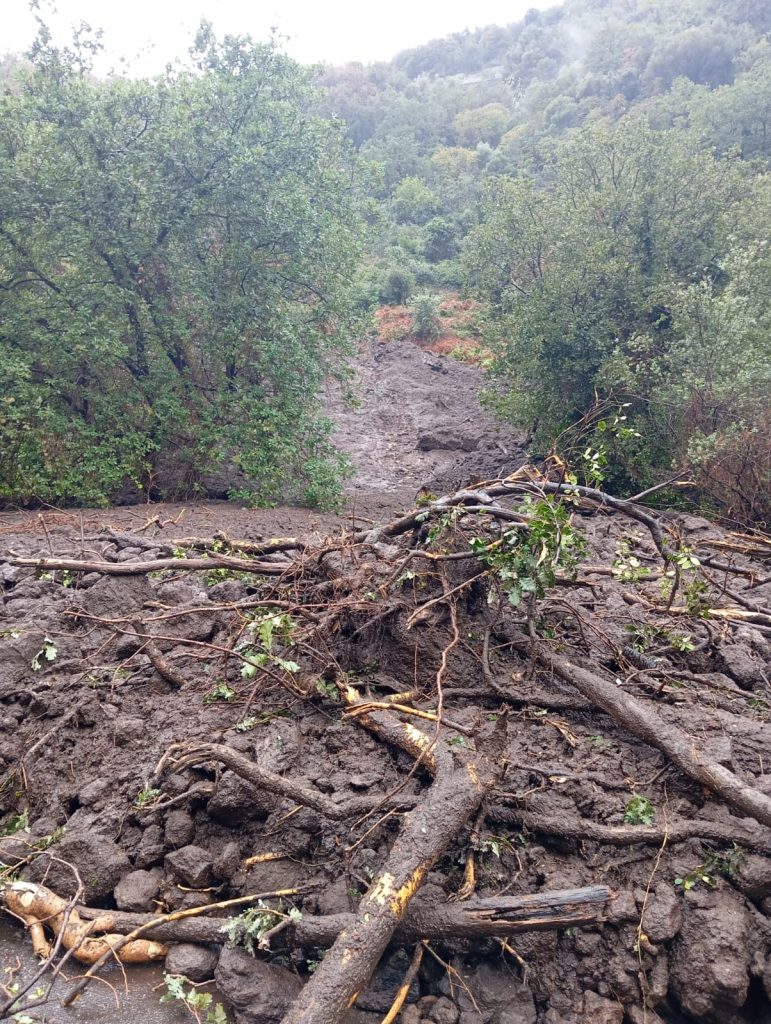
{"x": 100, "y": 1003}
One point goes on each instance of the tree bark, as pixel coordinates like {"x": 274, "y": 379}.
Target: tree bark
{"x": 499, "y": 916}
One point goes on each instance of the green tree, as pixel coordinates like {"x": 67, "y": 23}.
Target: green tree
{"x": 574, "y": 275}
{"x": 483, "y": 124}
{"x": 413, "y": 201}
{"x": 175, "y": 258}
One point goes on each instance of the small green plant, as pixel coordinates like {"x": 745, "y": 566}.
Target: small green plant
{"x": 626, "y": 567}
{"x": 220, "y": 691}
{"x": 16, "y": 823}
{"x": 200, "y": 1005}
{"x": 644, "y": 636}
{"x": 442, "y": 524}
{"x": 263, "y": 632}
{"x": 48, "y": 652}
{"x": 313, "y": 963}
{"x": 696, "y": 595}
{"x": 726, "y": 863}
{"x": 146, "y": 796}
{"x": 494, "y": 845}
{"x": 46, "y": 842}
{"x": 251, "y": 721}
{"x": 327, "y": 689}
{"x": 213, "y": 576}
{"x": 639, "y": 811}
{"x": 692, "y": 879}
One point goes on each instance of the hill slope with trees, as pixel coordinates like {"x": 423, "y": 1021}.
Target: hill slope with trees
{"x": 596, "y": 174}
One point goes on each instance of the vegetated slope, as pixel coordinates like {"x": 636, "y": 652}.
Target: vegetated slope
{"x": 596, "y": 175}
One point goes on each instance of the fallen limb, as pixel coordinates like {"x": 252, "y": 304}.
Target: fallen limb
{"x": 498, "y": 916}
{"x": 731, "y": 614}
{"x": 581, "y": 830}
{"x": 182, "y": 755}
{"x": 642, "y": 720}
{"x": 117, "y": 948}
{"x": 454, "y": 796}
{"x": 158, "y": 660}
{"x": 141, "y": 568}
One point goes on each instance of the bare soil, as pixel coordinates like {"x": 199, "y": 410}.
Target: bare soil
{"x": 86, "y": 715}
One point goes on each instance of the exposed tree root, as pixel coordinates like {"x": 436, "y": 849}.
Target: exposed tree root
{"x": 35, "y": 906}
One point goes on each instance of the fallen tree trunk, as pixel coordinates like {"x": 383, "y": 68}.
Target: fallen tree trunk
{"x": 499, "y": 916}
{"x": 141, "y": 568}
{"x": 746, "y": 833}
{"x": 643, "y": 721}
{"x": 456, "y": 793}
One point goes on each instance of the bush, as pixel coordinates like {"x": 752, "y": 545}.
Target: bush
{"x": 426, "y": 324}
{"x": 396, "y": 287}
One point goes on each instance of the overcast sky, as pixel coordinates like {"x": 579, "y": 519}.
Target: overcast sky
{"x": 149, "y": 33}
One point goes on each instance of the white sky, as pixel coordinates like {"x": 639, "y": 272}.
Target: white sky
{"x": 149, "y": 33}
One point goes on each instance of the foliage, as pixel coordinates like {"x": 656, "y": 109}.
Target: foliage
{"x": 200, "y": 1005}
{"x": 263, "y": 632}
{"x": 639, "y": 811}
{"x": 47, "y": 653}
{"x": 249, "y": 928}
{"x": 175, "y": 258}
{"x": 424, "y": 308}
{"x": 16, "y": 823}
{"x": 645, "y": 635}
{"x": 627, "y": 567}
{"x": 525, "y": 561}
{"x": 146, "y": 796}
{"x": 220, "y": 692}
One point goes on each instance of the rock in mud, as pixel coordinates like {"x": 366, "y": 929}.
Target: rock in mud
{"x": 180, "y": 829}
{"x": 136, "y": 890}
{"x": 236, "y": 802}
{"x": 99, "y": 861}
{"x": 151, "y": 847}
{"x": 192, "y": 865}
{"x": 710, "y": 967}
{"x": 197, "y": 963}
{"x": 602, "y": 1011}
{"x": 501, "y": 998}
{"x": 258, "y": 992}
{"x": 228, "y": 861}
{"x": 753, "y": 876}
{"x": 385, "y": 982}
{"x": 95, "y": 793}
{"x": 663, "y": 917}
{"x": 740, "y": 664}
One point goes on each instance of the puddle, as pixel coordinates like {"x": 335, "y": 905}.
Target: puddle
{"x": 100, "y": 1003}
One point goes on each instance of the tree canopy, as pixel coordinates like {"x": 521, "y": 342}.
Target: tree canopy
{"x": 174, "y": 260}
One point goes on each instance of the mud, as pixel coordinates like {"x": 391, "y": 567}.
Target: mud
{"x": 81, "y": 733}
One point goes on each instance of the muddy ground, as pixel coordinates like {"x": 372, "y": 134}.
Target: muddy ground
{"x": 86, "y": 716}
